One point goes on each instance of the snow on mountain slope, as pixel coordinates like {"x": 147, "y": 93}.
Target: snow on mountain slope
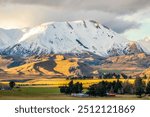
{"x": 9, "y": 37}
{"x": 68, "y": 37}
{"x": 145, "y": 44}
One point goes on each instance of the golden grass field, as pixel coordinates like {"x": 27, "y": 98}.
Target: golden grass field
{"x": 56, "y": 82}
{"x": 47, "y": 89}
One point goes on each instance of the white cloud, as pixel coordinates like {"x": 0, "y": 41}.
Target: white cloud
{"x": 120, "y": 15}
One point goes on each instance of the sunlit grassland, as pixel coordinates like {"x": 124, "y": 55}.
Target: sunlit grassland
{"x": 47, "y": 93}
{"x": 47, "y": 89}
{"x": 56, "y": 82}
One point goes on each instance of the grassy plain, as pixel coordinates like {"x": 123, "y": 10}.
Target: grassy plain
{"x": 45, "y": 93}
{"x": 47, "y": 89}
{"x": 56, "y": 82}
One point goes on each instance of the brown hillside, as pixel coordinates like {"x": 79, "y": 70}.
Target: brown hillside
{"x": 146, "y": 72}
{"x": 127, "y": 62}
{"x": 57, "y": 66}
{"x": 4, "y": 62}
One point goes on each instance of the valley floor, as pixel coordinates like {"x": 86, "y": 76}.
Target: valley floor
{"x": 57, "y": 82}
{"x": 44, "y": 93}
{"x": 47, "y": 89}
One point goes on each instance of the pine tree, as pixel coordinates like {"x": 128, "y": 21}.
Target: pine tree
{"x": 127, "y": 88}
{"x": 92, "y": 90}
{"x": 70, "y": 86}
{"x": 118, "y": 86}
{"x": 101, "y": 89}
{"x": 139, "y": 87}
{"x": 97, "y": 89}
{"x": 12, "y": 84}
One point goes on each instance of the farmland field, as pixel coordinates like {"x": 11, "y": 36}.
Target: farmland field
{"x": 47, "y": 89}
{"x": 56, "y": 82}
{"x": 44, "y": 93}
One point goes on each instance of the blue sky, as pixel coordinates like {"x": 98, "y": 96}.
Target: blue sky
{"x": 130, "y": 18}
{"x": 143, "y": 18}
{"x": 140, "y": 33}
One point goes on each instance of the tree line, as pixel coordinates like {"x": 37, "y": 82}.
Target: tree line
{"x": 139, "y": 88}
{"x": 103, "y": 88}
{"x": 100, "y": 76}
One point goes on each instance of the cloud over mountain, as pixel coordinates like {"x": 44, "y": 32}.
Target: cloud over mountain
{"x": 106, "y": 12}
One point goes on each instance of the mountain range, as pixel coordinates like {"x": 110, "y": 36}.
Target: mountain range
{"x": 68, "y": 37}
{"x": 78, "y": 48}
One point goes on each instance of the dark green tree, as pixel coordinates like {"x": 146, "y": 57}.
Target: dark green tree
{"x": 72, "y": 88}
{"x": 127, "y": 88}
{"x": 99, "y": 89}
{"x": 117, "y": 86}
{"x": 109, "y": 87}
{"x": 78, "y": 87}
{"x": 63, "y": 89}
{"x": 12, "y": 84}
{"x": 139, "y": 87}
{"x": 92, "y": 90}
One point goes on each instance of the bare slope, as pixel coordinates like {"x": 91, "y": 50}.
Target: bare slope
{"x": 58, "y": 66}
{"x": 132, "y": 64}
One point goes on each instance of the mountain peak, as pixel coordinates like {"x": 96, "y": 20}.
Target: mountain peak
{"x": 65, "y": 37}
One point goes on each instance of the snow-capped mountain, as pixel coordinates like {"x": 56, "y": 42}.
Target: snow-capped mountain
{"x": 66, "y": 37}
{"x": 9, "y": 37}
